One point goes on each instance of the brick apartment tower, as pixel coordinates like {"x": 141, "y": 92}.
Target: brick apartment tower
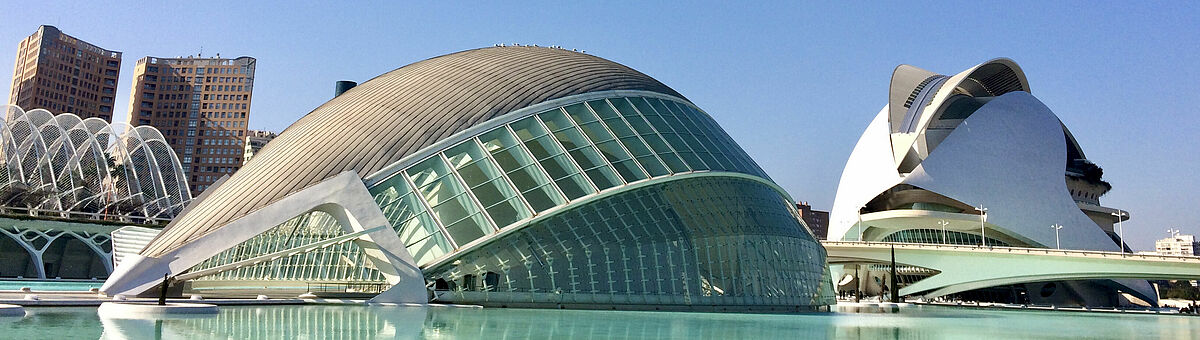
{"x": 61, "y": 73}
{"x": 201, "y": 105}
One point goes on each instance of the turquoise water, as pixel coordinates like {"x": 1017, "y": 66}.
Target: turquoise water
{"x": 58, "y": 286}
{"x": 363, "y": 322}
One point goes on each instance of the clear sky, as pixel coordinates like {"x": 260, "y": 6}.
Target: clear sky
{"x": 795, "y": 84}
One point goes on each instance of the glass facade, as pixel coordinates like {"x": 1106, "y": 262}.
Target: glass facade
{"x": 530, "y": 165}
{"x": 340, "y": 262}
{"x": 586, "y": 235}
{"x": 935, "y": 236}
{"x": 695, "y": 241}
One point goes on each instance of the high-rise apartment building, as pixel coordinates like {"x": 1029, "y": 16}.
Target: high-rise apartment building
{"x": 256, "y": 140}
{"x": 61, "y": 73}
{"x": 1178, "y": 245}
{"x": 817, "y": 221}
{"x": 201, "y": 105}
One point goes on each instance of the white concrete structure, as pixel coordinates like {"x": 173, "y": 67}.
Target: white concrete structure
{"x": 957, "y": 266}
{"x": 973, "y": 159}
{"x": 499, "y": 176}
{"x": 64, "y": 166}
{"x": 1178, "y": 245}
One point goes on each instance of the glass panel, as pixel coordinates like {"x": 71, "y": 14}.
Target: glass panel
{"x": 670, "y": 115}
{"x": 669, "y": 134}
{"x": 445, "y": 194}
{"x": 468, "y": 229}
{"x": 605, "y": 143}
{"x": 690, "y": 118}
{"x": 550, "y": 157}
{"x": 428, "y": 249}
{"x": 520, "y": 169}
{"x": 412, "y": 223}
{"x": 454, "y": 209}
{"x": 656, "y": 143}
{"x": 580, "y": 150}
{"x": 628, "y": 138}
{"x": 486, "y": 183}
{"x": 735, "y": 151}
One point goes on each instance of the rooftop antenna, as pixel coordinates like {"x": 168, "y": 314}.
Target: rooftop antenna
{"x": 201, "y": 54}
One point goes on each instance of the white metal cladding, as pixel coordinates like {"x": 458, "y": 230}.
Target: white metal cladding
{"x": 88, "y": 168}
{"x": 542, "y": 160}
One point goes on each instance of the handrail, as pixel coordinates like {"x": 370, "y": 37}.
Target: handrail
{"x": 1066, "y": 252}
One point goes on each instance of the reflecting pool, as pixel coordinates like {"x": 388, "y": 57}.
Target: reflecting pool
{"x": 362, "y": 322}
{"x": 57, "y": 286}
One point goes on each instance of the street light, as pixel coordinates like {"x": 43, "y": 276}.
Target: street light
{"x": 1056, "y": 227}
{"x": 1172, "y": 232}
{"x": 1121, "y": 226}
{"x": 943, "y": 223}
{"x": 982, "y": 225}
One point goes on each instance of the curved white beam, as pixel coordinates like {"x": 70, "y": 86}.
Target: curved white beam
{"x": 343, "y": 196}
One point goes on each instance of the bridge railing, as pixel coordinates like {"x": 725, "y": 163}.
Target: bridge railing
{"x": 1026, "y": 250}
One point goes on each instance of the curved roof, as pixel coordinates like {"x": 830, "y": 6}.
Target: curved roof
{"x": 381, "y": 121}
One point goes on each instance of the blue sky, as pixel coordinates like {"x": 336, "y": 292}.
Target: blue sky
{"x": 793, "y": 83}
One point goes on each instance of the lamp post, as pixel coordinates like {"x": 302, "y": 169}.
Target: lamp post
{"x": 1121, "y": 227}
{"x": 943, "y": 223}
{"x": 1056, "y": 228}
{"x": 982, "y": 225}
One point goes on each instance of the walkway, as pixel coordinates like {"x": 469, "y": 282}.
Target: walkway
{"x": 962, "y": 268}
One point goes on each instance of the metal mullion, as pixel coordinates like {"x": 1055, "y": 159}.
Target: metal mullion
{"x": 659, "y": 134}
{"x": 600, "y": 121}
{"x": 467, "y": 191}
{"x": 685, "y": 143}
{"x": 428, "y": 210}
{"x": 578, "y": 129}
{"x": 595, "y": 189}
{"x": 538, "y": 164}
{"x": 639, "y": 137}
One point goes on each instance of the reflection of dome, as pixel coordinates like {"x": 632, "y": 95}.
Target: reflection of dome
{"x": 945, "y": 145}
{"x": 519, "y": 171}
{"x": 87, "y": 168}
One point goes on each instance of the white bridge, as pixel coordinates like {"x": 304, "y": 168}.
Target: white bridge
{"x": 962, "y": 268}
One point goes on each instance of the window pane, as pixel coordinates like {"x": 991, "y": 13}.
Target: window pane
{"x": 687, "y": 135}
{"x": 468, "y": 229}
{"x": 550, "y": 156}
{"x": 429, "y": 249}
{"x": 669, "y": 134}
{"x": 653, "y": 140}
{"x": 506, "y": 212}
{"x": 581, "y": 151}
{"x": 454, "y": 209}
{"x": 542, "y": 198}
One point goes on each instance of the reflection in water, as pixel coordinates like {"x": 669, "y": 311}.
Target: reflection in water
{"x": 574, "y": 324}
{"x": 363, "y": 322}
{"x": 276, "y": 322}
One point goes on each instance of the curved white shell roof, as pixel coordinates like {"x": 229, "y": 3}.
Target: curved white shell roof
{"x": 86, "y": 168}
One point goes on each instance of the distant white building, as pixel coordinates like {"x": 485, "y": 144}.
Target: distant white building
{"x": 1180, "y": 245}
